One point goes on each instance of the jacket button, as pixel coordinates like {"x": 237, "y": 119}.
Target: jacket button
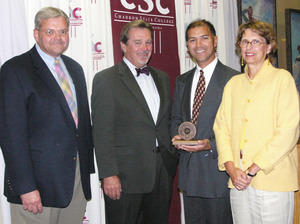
{"x": 156, "y": 150}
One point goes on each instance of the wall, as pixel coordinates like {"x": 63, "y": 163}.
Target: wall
{"x": 281, "y": 5}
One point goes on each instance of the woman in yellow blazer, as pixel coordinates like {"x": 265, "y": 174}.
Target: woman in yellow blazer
{"x": 257, "y": 128}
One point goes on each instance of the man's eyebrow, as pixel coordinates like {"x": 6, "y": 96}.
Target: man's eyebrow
{"x": 204, "y": 35}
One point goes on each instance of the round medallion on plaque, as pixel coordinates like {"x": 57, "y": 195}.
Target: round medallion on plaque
{"x": 187, "y": 130}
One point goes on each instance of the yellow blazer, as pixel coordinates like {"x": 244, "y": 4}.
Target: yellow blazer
{"x": 268, "y": 108}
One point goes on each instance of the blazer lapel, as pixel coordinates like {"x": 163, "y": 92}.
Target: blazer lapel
{"x": 212, "y": 98}
{"x": 133, "y": 87}
{"x": 160, "y": 89}
{"x": 186, "y": 105}
{"x": 47, "y": 78}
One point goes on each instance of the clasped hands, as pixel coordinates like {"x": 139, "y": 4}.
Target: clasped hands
{"x": 239, "y": 178}
{"x": 201, "y": 146}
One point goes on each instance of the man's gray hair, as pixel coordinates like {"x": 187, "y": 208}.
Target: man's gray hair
{"x": 47, "y": 13}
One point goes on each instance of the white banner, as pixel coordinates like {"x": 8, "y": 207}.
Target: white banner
{"x": 222, "y": 14}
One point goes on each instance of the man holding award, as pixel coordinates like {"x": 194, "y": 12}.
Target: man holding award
{"x": 197, "y": 97}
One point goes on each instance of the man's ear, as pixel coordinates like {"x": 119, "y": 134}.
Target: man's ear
{"x": 123, "y": 47}
{"x": 36, "y": 35}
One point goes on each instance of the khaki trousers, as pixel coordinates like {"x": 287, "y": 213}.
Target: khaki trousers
{"x": 72, "y": 214}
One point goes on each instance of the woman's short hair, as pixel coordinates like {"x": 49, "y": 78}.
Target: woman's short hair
{"x": 261, "y": 28}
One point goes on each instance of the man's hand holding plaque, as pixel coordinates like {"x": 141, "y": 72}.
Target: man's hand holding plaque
{"x": 185, "y": 139}
{"x": 186, "y": 131}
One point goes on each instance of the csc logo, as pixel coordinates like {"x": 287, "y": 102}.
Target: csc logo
{"x": 150, "y": 4}
{"x": 97, "y": 47}
{"x": 75, "y": 13}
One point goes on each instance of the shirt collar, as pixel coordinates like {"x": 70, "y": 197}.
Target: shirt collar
{"x": 131, "y": 66}
{"x": 208, "y": 70}
{"x": 265, "y": 69}
{"x": 49, "y": 60}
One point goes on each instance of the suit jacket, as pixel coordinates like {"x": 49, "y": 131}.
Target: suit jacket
{"x": 124, "y": 131}
{"x": 198, "y": 172}
{"x": 38, "y": 135}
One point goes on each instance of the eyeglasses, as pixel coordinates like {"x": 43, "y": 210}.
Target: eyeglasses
{"x": 52, "y": 33}
{"x": 253, "y": 43}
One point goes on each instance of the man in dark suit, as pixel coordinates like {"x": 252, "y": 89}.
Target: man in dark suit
{"x": 131, "y": 107}
{"x": 205, "y": 192}
{"x": 45, "y": 129}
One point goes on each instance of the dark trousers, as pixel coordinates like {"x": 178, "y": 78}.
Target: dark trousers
{"x": 199, "y": 210}
{"x": 150, "y": 208}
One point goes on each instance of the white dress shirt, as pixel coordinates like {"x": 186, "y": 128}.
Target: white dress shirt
{"x": 148, "y": 88}
{"x": 208, "y": 71}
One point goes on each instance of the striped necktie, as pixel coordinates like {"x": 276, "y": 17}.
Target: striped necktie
{"x": 199, "y": 95}
{"x": 65, "y": 87}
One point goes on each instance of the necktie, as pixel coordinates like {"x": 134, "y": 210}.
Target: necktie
{"x": 65, "y": 87}
{"x": 144, "y": 70}
{"x": 199, "y": 95}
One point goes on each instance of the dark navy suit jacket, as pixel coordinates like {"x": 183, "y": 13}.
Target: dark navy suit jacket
{"x": 38, "y": 135}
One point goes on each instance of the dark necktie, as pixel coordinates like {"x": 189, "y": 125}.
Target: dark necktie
{"x": 199, "y": 95}
{"x": 144, "y": 70}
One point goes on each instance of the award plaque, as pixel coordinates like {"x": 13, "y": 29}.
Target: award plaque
{"x": 186, "y": 131}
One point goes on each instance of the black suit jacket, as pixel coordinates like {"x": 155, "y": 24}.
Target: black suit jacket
{"x": 38, "y": 135}
{"x": 198, "y": 172}
{"x": 124, "y": 131}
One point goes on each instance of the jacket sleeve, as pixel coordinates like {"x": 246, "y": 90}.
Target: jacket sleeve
{"x": 286, "y": 127}
{"x": 103, "y": 109}
{"x": 222, "y": 130}
{"x": 176, "y": 117}
{"x": 13, "y": 132}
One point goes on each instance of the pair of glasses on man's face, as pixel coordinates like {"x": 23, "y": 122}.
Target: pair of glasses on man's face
{"x": 253, "y": 43}
{"x": 52, "y": 33}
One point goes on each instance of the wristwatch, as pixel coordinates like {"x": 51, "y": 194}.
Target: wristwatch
{"x": 249, "y": 174}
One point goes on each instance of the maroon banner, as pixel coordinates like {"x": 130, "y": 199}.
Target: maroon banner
{"x": 161, "y": 15}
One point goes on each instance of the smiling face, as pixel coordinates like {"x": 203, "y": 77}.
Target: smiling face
{"x": 138, "y": 48}
{"x": 201, "y": 45}
{"x": 254, "y": 56}
{"x": 52, "y": 37}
